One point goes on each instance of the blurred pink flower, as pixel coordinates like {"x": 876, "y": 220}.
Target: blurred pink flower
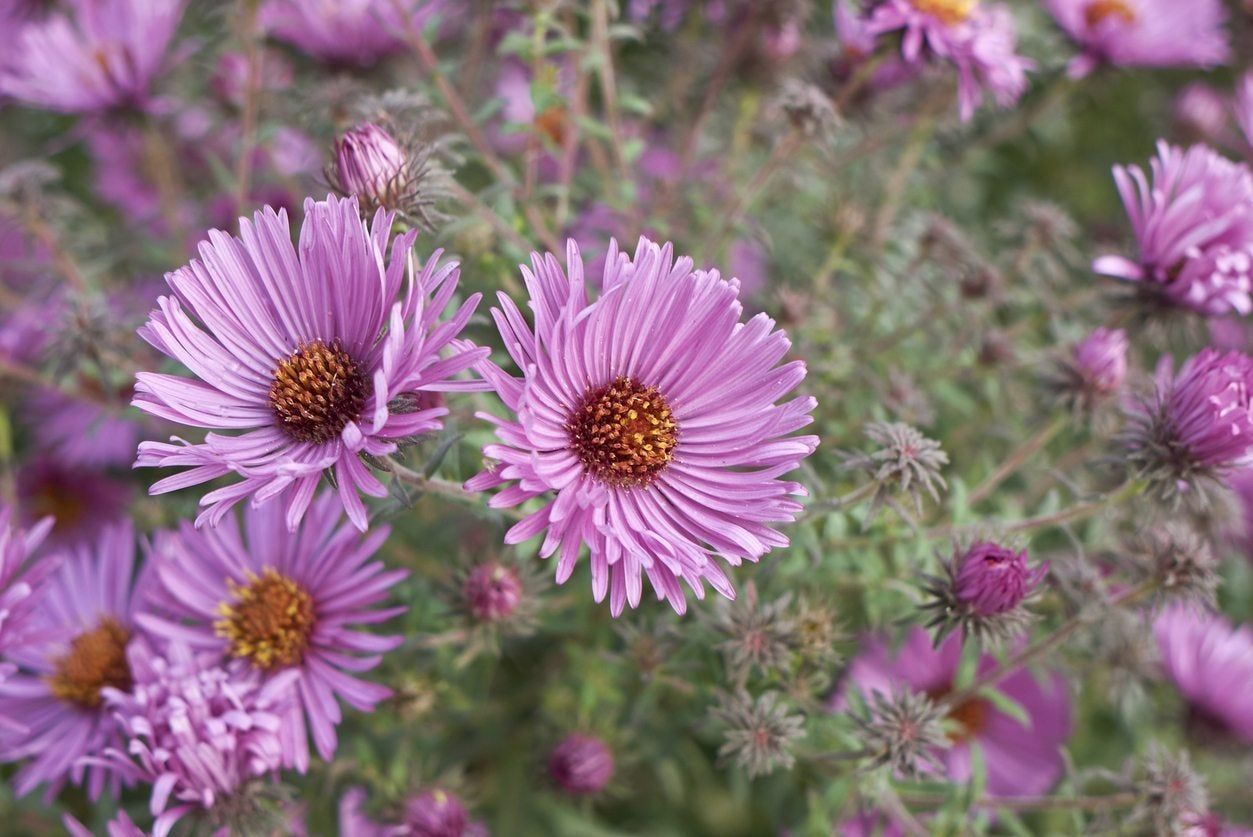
{"x": 1211, "y": 664}
{"x": 1143, "y": 33}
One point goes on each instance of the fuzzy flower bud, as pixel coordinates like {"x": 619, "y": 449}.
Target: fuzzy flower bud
{"x": 1170, "y": 791}
{"x": 759, "y": 636}
{"x": 581, "y": 765}
{"x": 492, "y": 592}
{"x": 1198, "y": 426}
{"x": 992, "y": 579}
{"x": 981, "y": 592}
{"x": 439, "y": 813}
{"x": 370, "y": 164}
{"x": 1180, "y": 564}
{"x": 906, "y": 462}
{"x": 1100, "y": 360}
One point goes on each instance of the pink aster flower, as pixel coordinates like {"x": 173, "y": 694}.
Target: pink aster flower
{"x": 317, "y": 352}
{"x": 103, "y": 54}
{"x": 79, "y": 503}
{"x": 1143, "y": 33}
{"x": 647, "y": 420}
{"x": 1199, "y": 422}
{"x": 20, "y": 576}
{"x": 993, "y": 579}
{"x": 1211, "y": 664}
{"x": 286, "y": 605}
{"x": 357, "y": 32}
{"x": 1022, "y": 758}
{"x": 120, "y": 826}
{"x": 1192, "y": 217}
{"x": 76, "y": 649}
{"x": 194, "y": 731}
{"x": 80, "y": 432}
{"x": 581, "y": 765}
{"x": 979, "y": 40}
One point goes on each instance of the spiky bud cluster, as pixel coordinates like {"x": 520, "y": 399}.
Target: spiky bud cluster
{"x": 1179, "y": 563}
{"x": 760, "y": 732}
{"x": 758, "y": 636}
{"x": 906, "y": 463}
{"x": 904, "y": 731}
{"x": 1170, "y": 793}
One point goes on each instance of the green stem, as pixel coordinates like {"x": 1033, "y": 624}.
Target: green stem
{"x": 1015, "y": 460}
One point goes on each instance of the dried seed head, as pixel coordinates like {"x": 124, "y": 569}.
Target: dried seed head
{"x": 758, "y": 636}
{"x": 1170, "y": 792}
{"x": 903, "y": 730}
{"x": 1179, "y": 562}
{"x": 906, "y": 463}
{"x": 759, "y": 732}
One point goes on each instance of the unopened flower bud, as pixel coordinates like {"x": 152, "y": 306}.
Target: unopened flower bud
{"x": 439, "y": 813}
{"x": 581, "y": 765}
{"x": 370, "y": 164}
{"x": 492, "y": 591}
{"x": 992, "y": 579}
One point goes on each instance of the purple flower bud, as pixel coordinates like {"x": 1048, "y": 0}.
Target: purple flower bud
{"x": 581, "y": 764}
{"x": 1101, "y": 360}
{"x": 370, "y": 164}
{"x": 992, "y": 579}
{"x": 438, "y": 813}
{"x": 1202, "y": 112}
{"x": 492, "y": 591}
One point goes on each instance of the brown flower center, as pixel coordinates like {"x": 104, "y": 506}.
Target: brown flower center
{"x": 316, "y": 391}
{"x": 96, "y": 659}
{"x": 970, "y": 717}
{"x": 1099, "y": 11}
{"x": 553, "y": 123}
{"x": 269, "y": 621}
{"x": 623, "y": 433}
{"x": 950, "y": 12}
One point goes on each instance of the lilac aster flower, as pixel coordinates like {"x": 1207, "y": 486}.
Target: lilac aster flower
{"x": 581, "y": 765}
{"x": 1021, "y": 758}
{"x": 76, "y": 649}
{"x": 282, "y": 604}
{"x": 120, "y": 826}
{"x": 1192, "y": 217}
{"x": 79, "y": 432}
{"x": 309, "y": 350}
{"x": 104, "y": 54}
{"x": 1143, "y": 33}
{"x": 20, "y": 576}
{"x": 195, "y": 731}
{"x": 993, "y": 579}
{"x": 649, "y": 417}
{"x": 1199, "y": 423}
{"x": 357, "y": 32}
{"x": 980, "y": 41}
{"x": 1211, "y": 664}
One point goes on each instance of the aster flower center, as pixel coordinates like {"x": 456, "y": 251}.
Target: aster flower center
{"x": 624, "y": 433}
{"x": 1099, "y": 11}
{"x": 317, "y": 390}
{"x": 269, "y": 621}
{"x": 970, "y": 717}
{"x": 950, "y": 12}
{"x": 96, "y": 659}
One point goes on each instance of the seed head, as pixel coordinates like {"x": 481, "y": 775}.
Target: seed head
{"x": 906, "y": 463}
{"x": 759, "y": 732}
{"x": 903, "y": 730}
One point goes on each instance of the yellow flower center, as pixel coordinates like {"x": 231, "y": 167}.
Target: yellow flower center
{"x": 96, "y": 659}
{"x": 623, "y": 433}
{"x": 950, "y": 12}
{"x": 269, "y": 620}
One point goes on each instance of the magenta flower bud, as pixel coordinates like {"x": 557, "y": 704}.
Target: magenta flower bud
{"x": 438, "y": 813}
{"x": 1101, "y": 361}
{"x": 581, "y": 765}
{"x": 370, "y": 164}
{"x": 492, "y": 591}
{"x": 1202, "y": 112}
{"x": 992, "y": 579}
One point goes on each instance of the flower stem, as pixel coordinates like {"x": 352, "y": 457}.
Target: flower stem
{"x": 1015, "y": 460}
{"x": 1030, "y": 803}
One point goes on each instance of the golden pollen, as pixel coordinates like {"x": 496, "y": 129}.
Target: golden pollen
{"x": 623, "y": 433}
{"x": 96, "y": 659}
{"x": 1100, "y": 11}
{"x": 269, "y": 621}
{"x": 316, "y": 391}
{"x": 950, "y": 12}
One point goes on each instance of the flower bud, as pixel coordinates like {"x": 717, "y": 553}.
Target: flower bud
{"x": 581, "y": 765}
{"x": 1101, "y": 360}
{"x": 992, "y": 579}
{"x": 370, "y": 164}
{"x": 438, "y": 813}
{"x": 492, "y": 591}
